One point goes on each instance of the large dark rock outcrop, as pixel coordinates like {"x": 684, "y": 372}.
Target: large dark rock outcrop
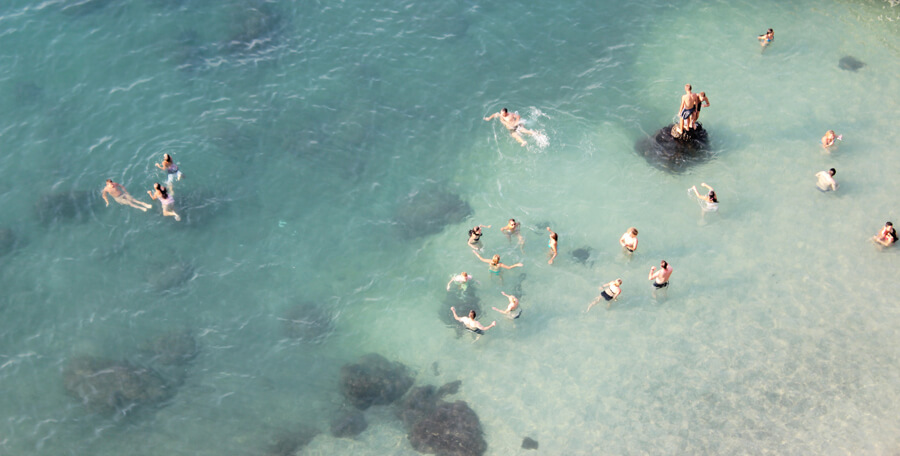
{"x": 675, "y": 153}
{"x": 428, "y": 211}
{"x": 106, "y": 386}
{"x": 374, "y": 381}
{"x": 452, "y": 429}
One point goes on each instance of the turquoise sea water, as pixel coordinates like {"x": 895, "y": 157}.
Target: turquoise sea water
{"x": 305, "y": 129}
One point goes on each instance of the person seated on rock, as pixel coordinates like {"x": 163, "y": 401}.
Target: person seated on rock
{"x": 710, "y": 200}
{"x": 461, "y": 280}
{"x": 686, "y": 110}
{"x": 887, "y": 235}
{"x": 766, "y": 38}
{"x": 121, "y": 196}
{"x": 629, "y": 240}
{"x": 510, "y": 311}
{"x": 829, "y": 139}
{"x": 513, "y": 123}
{"x": 826, "y": 180}
{"x": 471, "y": 323}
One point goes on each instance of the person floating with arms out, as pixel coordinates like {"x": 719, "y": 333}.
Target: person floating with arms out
{"x": 121, "y": 196}
{"x": 608, "y": 291}
{"x": 554, "y": 241}
{"x": 513, "y": 123}
{"x": 660, "y": 278}
{"x": 511, "y": 308}
{"x": 494, "y": 264}
{"x": 629, "y": 240}
{"x": 826, "y": 180}
{"x": 471, "y": 323}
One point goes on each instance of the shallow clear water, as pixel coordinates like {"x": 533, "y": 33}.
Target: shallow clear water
{"x": 304, "y": 128}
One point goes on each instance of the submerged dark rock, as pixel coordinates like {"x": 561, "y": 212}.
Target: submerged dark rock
{"x": 374, "y": 381}
{"x": 349, "y": 424}
{"x": 675, "y": 154}
{"x": 65, "y": 206}
{"x": 582, "y": 255}
{"x": 850, "y": 63}
{"x": 529, "y": 444}
{"x": 289, "y": 443}
{"x": 171, "y": 277}
{"x": 308, "y": 322}
{"x": 451, "y": 429}
{"x": 428, "y": 211}
{"x": 422, "y": 401}
{"x": 7, "y": 241}
{"x": 105, "y": 386}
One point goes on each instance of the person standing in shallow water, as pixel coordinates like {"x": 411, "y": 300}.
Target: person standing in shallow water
{"x": 554, "y": 240}
{"x": 471, "y": 323}
{"x": 660, "y": 278}
{"x": 887, "y": 235}
{"x": 165, "y": 199}
{"x": 513, "y": 123}
{"x": 494, "y": 264}
{"x": 629, "y": 241}
{"x": 608, "y": 291}
{"x": 475, "y": 236}
{"x": 121, "y": 196}
{"x": 511, "y": 307}
{"x": 513, "y": 228}
{"x": 826, "y": 180}
{"x": 829, "y": 139}
{"x": 766, "y": 39}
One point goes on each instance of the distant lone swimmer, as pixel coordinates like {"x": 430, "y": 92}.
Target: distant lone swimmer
{"x": 513, "y": 123}
{"x": 471, "y": 323}
{"x": 826, "y": 180}
{"x": 766, "y": 39}
{"x": 887, "y": 235}
{"x": 121, "y": 196}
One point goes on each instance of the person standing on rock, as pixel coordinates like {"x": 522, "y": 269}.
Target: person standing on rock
{"x": 686, "y": 110}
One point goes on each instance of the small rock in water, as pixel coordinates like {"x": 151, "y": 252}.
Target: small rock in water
{"x": 349, "y": 424}
{"x": 850, "y": 63}
{"x": 529, "y": 444}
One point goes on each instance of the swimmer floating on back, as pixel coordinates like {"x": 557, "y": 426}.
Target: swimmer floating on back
{"x": 513, "y": 123}
{"x": 121, "y": 196}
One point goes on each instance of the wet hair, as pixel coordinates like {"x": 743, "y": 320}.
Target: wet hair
{"x": 770, "y": 31}
{"x": 702, "y": 94}
{"x": 688, "y": 86}
{"x": 472, "y": 314}
{"x": 554, "y": 236}
{"x": 512, "y": 220}
{"x": 633, "y": 231}
{"x": 832, "y": 171}
{"x": 664, "y": 264}
{"x": 162, "y": 190}
{"x": 618, "y": 281}
{"x": 888, "y": 224}
{"x": 472, "y": 231}
{"x": 109, "y": 181}
{"x": 167, "y": 157}
{"x": 712, "y": 196}
{"x": 495, "y": 259}
{"x": 504, "y": 110}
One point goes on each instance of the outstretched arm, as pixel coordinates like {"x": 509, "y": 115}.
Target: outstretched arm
{"x": 492, "y": 116}
{"x": 480, "y": 257}
{"x": 485, "y": 328}
{"x": 517, "y": 265}
{"x": 456, "y": 317}
{"x": 707, "y": 186}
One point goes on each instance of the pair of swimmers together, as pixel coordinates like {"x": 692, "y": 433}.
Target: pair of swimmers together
{"x": 610, "y": 291}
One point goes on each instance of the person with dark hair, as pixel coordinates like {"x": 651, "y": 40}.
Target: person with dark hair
{"x": 709, "y": 202}
{"x": 170, "y": 168}
{"x": 826, "y": 180}
{"x": 608, "y": 291}
{"x": 887, "y": 235}
{"x": 686, "y": 110}
{"x": 475, "y": 236}
{"x": 661, "y": 277}
{"x": 471, "y": 323}
{"x": 699, "y": 98}
{"x": 165, "y": 200}
{"x": 494, "y": 264}
{"x": 766, "y": 38}
{"x": 554, "y": 241}
{"x": 513, "y": 123}
{"x": 629, "y": 241}
{"x": 121, "y": 196}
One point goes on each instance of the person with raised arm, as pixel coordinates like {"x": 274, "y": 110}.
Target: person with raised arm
{"x": 554, "y": 241}
{"x": 471, "y": 323}
{"x": 511, "y": 307}
{"x": 660, "y": 278}
{"x": 608, "y": 291}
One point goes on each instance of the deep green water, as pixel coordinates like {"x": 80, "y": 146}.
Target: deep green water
{"x": 305, "y": 129}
